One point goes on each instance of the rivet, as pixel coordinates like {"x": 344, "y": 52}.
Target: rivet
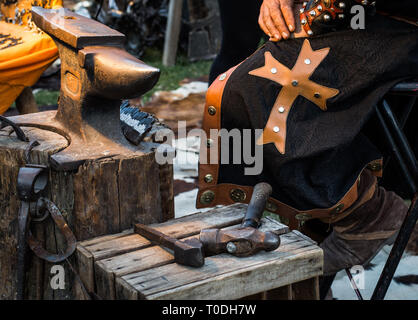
{"x": 327, "y": 17}
{"x": 301, "y": 10}
{"x": 208, "y": 178}
{"x": 222, "y": 76}
{"x": 303, "y": 21}
{"x": 341, "y": 5}
{"x": 273, "y": 70}
{"x": 319, "y": 8}
{"x": 312, "y": 13}
{"x": 365, "y": 2}
{"x": 375, "y": 166}
{"x": 281, "y": 109}
{"x": 341, "y": 16}
{"x": 270, "y": 206}
{"x": 211, "y": 110}
{"x": 317, "y": 95}
{"x": 295, "y": 83}
{"x": 209, "y": 142}
{"x": 237, "y": 195}
{"x": 310, "y": 32}
{"x": 207, "y": 197}
{"x": 339, "y": 208}
{"x": 307, "y": 61}
{"x": 304, "y": 4}
{"x": 276, "y": 129}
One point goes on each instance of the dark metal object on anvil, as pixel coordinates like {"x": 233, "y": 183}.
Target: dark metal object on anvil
{"x": 188, "y": 252}
{"x": 247, "y": 239}
{"x": 96, "y": 74}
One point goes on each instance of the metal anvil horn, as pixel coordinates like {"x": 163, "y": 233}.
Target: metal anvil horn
{"x": 96, "y": 74}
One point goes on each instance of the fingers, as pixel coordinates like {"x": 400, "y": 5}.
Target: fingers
{"x": 268, "y": 25}
{"x": 278, "y": 20}
{"x": 289, "y": 17}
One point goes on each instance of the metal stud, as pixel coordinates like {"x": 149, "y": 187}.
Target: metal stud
{"x": 310, "y": 32}
{"x": 276, "y": 129}
{"x": 341, "y": 16}
{"x": 375, "y": 166}
{"x": 317, "y": 95}
{"x": 319, "y": 8}
{"x": 304, "y": 4}
{"x": 341, "y": 5}
{"x": 339, "y": 208}
{"x": 222, "y": 76}
{"x": 312, "y": 13}
{"x": 207, "y": 197}
{"x": 270, "y": 206}
{"x": 295, "y": 83}
{"x": 327, "y": 17}
{"x": 211, "y": 110}
{"x": 365, "y": 2}
{"x": 301, "y": 10}
{"x": 281, "y": 109}
{"x": 307, "y": 61}
{"x": 273, "y": 70}
{"x": 237, "y": 195}
{"x": 208, "y": 178}
{"x": 303, "y": 21}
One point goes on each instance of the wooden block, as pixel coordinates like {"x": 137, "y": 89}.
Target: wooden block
{"x": 104, "y": 196}
{"x": 106, "y": 270}
{"x": 225, "y": 276}
{"x": 94, "y": 250}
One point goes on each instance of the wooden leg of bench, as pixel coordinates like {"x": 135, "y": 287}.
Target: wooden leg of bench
{"x": 306, "y": 290}
{"x": 25, "y": 102}
{"x": 282, "y": 293}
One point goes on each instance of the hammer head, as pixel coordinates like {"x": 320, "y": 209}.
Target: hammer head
{"x": 189, "y": 252}
{"x": 240, "y": 242}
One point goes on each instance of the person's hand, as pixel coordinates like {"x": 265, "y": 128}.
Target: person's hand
{"x": 277, "y": 18}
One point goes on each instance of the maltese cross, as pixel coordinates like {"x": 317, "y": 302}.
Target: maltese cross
{"x": 294, "y": 82}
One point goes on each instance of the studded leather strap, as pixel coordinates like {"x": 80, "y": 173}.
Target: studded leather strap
{"x": 320, "y": 16}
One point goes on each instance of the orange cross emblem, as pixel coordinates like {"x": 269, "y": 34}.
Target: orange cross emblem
{"x": 294, "y": 82}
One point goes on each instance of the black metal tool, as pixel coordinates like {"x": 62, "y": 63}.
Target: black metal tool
{"x": 188, "y": 252}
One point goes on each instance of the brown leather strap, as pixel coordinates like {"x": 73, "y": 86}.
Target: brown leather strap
{"x": 208, "y": 168}
{"x": 226, "y": 194}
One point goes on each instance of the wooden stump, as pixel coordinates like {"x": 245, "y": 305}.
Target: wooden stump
{"x": 103, "y": 196}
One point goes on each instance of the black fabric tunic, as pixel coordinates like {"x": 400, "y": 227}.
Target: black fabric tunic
{"x": 325, "y": 150}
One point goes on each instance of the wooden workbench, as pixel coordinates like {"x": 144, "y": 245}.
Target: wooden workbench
{"x": 128, "y": 266}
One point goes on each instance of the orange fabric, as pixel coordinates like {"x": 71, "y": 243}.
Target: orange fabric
{"x": 21, "y": 65}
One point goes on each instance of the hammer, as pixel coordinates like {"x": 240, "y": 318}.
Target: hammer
{"x": 247, "y": 239}
{"x": 188, "y": 252}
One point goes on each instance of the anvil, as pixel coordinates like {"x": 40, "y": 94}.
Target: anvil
{"x": 96, "y": 74}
